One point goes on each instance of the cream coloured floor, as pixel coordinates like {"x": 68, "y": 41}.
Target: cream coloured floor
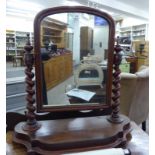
{"x": 56, "y": 96}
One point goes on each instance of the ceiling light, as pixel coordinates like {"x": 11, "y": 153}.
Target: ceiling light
{"x": 71, "y": 3}
{"x": 23, "y": 5}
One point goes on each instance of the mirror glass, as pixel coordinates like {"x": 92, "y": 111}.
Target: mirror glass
{"x": 74, "y": 55}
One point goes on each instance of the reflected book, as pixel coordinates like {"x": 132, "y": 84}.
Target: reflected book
{"x": 83, "y": 94}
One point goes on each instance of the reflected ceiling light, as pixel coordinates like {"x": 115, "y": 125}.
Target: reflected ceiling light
{"x": 109, "y": 12}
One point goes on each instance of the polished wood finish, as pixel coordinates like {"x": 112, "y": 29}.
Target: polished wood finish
{"x": 31, "y": 123}
{"x": 71, "y": 135}
{"x": 57, "y": 69}
{"x": 138, "y": 144}
{"x": 37, "y": 36}
{"x": 141, "y": 61}
{"x": 13, "y": 118}
{"x": 86, "y": 41}
{"x": 133, "y": 64}
{"x": 115, "y": 117}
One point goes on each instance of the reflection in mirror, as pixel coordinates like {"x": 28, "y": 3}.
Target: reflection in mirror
{"x": 74, "y": 59}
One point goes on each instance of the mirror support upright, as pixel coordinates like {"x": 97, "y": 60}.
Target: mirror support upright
{"x": 31, "y": 123}
{"x": 115, "y": 117}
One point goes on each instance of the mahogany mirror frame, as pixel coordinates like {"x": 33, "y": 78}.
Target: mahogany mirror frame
{"x": 38, "y": 71}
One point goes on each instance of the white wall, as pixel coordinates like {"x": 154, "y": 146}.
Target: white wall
{"x": 79, "y": 21}
{"x": 86, "y": 20}
{"x": 132, "y": 21}
{"x": 76, "y": 41}
{"x": 19, "y": 24}
{"x": 101, "y": 34}
{"x": 127, "y": 22}
{"x": 61, "y": 17}
{"x": 26, "y": 24}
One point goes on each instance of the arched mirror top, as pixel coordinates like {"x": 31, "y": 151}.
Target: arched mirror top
{"x": 66, "y": 80}
{"x": 66, "y": 9}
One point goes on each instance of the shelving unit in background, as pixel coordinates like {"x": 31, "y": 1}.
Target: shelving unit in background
{"x": 15, "y": 42}
{"x": 10, "y": 44}
{"x": 130, "y": 39}
{"x": 126, "y": 32}
{"x": 130, "y": 34}
{"x": 139, "y": 32}
{"x": 135, "y": 32}
{"x": 21, "y": 38}
{"x": 53, "y": 30}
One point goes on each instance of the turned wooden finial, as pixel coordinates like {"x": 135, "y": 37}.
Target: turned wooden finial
{"x": 115, "y": 117}
{"x": 31, "y": 123}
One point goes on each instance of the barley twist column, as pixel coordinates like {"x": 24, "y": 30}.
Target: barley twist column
{"x": 31, "y": 123}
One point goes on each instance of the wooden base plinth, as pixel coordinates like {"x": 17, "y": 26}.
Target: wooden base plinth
{"x": 73, "y": 135}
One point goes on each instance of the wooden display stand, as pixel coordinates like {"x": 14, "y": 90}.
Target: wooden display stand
{"x": 142, "y": 56}
{"x": 133, "y": 64}
{"x": 86, "y": 41}
{"x": 57, "y": 69}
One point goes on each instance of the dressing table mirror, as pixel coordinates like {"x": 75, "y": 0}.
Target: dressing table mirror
{"x": 69, "y": 52}
{"x": 76, "y": 73}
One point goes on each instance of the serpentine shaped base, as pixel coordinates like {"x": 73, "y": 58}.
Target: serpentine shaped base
{"x": 73, "y": 135}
